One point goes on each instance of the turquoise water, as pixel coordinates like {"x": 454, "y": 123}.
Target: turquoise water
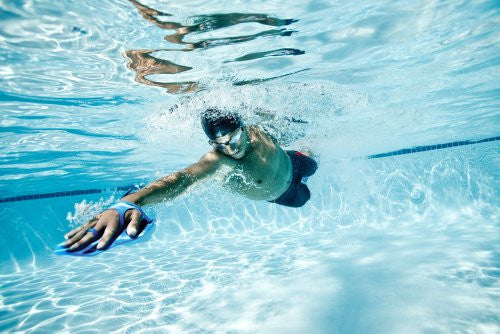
{"x": 96, "y": 95}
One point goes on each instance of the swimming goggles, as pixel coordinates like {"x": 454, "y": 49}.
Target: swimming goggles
{"x": 228, "y": 141}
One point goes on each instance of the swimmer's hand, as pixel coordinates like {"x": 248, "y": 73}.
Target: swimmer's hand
{"x": 107, "y": 224}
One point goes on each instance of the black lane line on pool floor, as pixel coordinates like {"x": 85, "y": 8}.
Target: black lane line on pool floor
{"x": 65, "y": 194}
{"x": 132, "y": 187}
{"x": 431, "y": 147}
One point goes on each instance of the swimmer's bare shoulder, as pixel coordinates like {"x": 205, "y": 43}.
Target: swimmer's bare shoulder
{"x": 210, "y": 163}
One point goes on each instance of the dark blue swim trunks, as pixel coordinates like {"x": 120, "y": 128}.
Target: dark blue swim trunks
{"x": 298, "y": 194}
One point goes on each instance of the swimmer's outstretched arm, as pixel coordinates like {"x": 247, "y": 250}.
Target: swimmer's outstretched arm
{"x": 107, "y": 222}
{"x": 171, "y": 186}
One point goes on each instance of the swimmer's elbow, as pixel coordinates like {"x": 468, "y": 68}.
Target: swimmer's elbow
{"x": 207, "y": 166}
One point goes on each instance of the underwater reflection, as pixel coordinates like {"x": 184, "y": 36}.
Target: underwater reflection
{"x": 212, "y": 42}
{"x": 211, "y": 22}
{"x": 254, "y": 81}
{"x": 271, "y": 53}
{"x": 144, "y": 64}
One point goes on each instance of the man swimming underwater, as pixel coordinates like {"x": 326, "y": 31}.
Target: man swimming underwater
{"x": 251, "y": 164}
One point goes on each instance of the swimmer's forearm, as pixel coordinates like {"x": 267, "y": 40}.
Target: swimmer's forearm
{"x": 164, "y": 189}
{"x": 171, "y": 186}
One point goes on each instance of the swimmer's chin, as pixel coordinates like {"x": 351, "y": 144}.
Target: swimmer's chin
{"x": 238, "y": 155}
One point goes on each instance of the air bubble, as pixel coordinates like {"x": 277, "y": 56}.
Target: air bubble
{"x": 417, "y": 195}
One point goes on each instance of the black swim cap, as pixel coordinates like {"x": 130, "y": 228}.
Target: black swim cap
{"x": 218, "y": 123}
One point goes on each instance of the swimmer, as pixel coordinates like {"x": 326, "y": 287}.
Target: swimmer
{"x": 248, "y": 160}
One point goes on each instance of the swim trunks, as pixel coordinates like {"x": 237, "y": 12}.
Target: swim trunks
{"x": 297, "y": 193}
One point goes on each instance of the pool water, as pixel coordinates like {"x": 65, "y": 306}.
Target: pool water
{"x": 99, "y": 95}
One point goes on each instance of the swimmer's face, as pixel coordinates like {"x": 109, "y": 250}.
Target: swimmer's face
{"x": 234, "y": 144}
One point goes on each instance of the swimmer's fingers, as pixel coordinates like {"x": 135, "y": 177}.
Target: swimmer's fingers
{"x": 134, "y": 227}
{"x": 87, "y": 238}
{"x": 76, "y": 237}
{"x": 73, "y": 232}
{"x": 78, "y": 233}
{"x": 109, "y": 235}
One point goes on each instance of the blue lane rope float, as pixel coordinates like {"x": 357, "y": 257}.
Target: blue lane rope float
{"x": 131, "y": 187}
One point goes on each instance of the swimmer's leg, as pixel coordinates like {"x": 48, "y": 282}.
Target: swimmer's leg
{"x": 295, "y": 197}
{"x": 307, "y": 165}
